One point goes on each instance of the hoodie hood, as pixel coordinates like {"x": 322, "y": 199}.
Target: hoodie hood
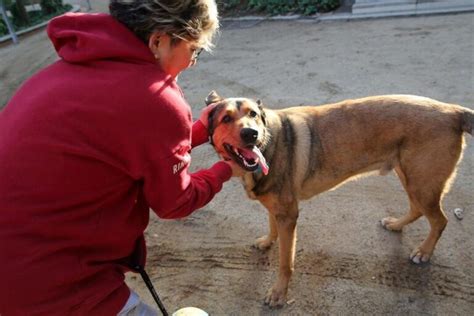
{"x": 81, "y": 37}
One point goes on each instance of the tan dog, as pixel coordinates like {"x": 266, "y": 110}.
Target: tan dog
{"x": 296, "y": 153}
{"x": 312, "y": 149}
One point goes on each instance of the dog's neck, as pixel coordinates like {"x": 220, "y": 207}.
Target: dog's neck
{"x": 256, "y": 183}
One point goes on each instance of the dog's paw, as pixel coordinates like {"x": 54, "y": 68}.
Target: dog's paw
{"x": 390, "y": 223}
{"x": 276, "y": 296}
{"x": 418, "y": 256}
{"x": 264, "y": 242}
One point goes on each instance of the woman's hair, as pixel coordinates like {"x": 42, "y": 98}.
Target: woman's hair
{"x": 192, "y": 20}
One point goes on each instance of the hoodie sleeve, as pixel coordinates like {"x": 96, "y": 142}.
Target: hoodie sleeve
{"x": 171, "y": 190}
{"x": 174, "y": 193}
{"x": 199, "y": 134}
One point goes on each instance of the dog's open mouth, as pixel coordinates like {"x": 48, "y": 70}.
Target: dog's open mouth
{"x": 248, "y": 158}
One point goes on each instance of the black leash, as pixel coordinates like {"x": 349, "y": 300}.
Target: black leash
{"x": 151, "y": 288}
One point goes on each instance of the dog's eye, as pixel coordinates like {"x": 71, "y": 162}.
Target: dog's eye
{"x": 253, "y": 114}
{"x": 226, "y": 119}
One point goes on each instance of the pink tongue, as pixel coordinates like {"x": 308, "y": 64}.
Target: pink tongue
{"x": 257, "y": 155}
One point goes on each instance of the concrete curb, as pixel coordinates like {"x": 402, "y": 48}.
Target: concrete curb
{"x": 416, "y": 10}
{"x": 75, "y": 8}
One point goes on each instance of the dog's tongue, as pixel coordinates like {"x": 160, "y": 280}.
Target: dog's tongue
{"x": 257, "y": 155}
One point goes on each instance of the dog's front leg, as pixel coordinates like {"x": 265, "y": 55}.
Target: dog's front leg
{"x": 285, "y": 218}
{"x": 266, "y": 241}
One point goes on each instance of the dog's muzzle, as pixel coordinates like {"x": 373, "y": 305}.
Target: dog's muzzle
{"x": 249, "y": 135}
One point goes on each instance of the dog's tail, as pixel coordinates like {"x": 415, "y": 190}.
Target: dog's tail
{"x": 467, "y": 121}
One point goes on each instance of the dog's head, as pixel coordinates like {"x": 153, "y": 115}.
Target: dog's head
{"x": 238, "y": 131}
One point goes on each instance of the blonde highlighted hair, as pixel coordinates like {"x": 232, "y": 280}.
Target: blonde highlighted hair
{"x": 190, "y": 20}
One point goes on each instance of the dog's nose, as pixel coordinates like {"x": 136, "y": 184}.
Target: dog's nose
{"x": 249, "y": 135}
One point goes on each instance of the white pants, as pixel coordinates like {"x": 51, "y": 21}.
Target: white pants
{"x": 135, "y": 307}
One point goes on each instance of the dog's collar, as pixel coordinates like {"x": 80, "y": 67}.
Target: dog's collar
{"x": 211, "y": 140}
{"x": 258, "y": 172}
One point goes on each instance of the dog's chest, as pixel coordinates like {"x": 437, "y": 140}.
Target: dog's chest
{"x": 249, "y": 183}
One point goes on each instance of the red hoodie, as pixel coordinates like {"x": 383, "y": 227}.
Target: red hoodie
{"x": 87, "y": 145}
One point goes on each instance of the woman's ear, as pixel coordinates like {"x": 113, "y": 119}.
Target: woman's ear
{"x": 154, "y": 44}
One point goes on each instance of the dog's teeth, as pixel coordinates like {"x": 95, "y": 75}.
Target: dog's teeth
{"x": 247, "y": 164}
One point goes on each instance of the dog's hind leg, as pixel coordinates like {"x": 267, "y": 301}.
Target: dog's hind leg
{"x": 396, "y": 224}
{"x": 266, "y": 241}
{"x": 438, "y": 221}
{"x": 425, "y": 181}
{"x": 425, "y": 199}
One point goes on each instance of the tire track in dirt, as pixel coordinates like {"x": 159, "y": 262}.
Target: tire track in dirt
{"x": 397, "y": 273}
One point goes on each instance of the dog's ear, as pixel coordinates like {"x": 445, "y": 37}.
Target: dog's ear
{"x": 262, "y": 111}
{"x": 213, "y": 97}
{"x": 211, "y": 121}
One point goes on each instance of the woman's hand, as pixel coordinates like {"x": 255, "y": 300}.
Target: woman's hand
{"x": 204, "y": 116}
{"x": 237, "y": 171}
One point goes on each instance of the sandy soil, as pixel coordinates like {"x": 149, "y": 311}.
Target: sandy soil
{"x": 346, "y": 263}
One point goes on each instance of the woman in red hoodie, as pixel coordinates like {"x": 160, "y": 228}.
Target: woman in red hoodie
{"x": 89, "y": 144}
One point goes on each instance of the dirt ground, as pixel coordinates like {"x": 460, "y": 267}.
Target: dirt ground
{"x": 346, "y": 263}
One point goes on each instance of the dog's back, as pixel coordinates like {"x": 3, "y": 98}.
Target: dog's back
{"x": 325, "y": 145}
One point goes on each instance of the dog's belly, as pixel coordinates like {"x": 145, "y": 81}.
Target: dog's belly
{"x": 322, "y": 182}
{"x": 335, "y": 169}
